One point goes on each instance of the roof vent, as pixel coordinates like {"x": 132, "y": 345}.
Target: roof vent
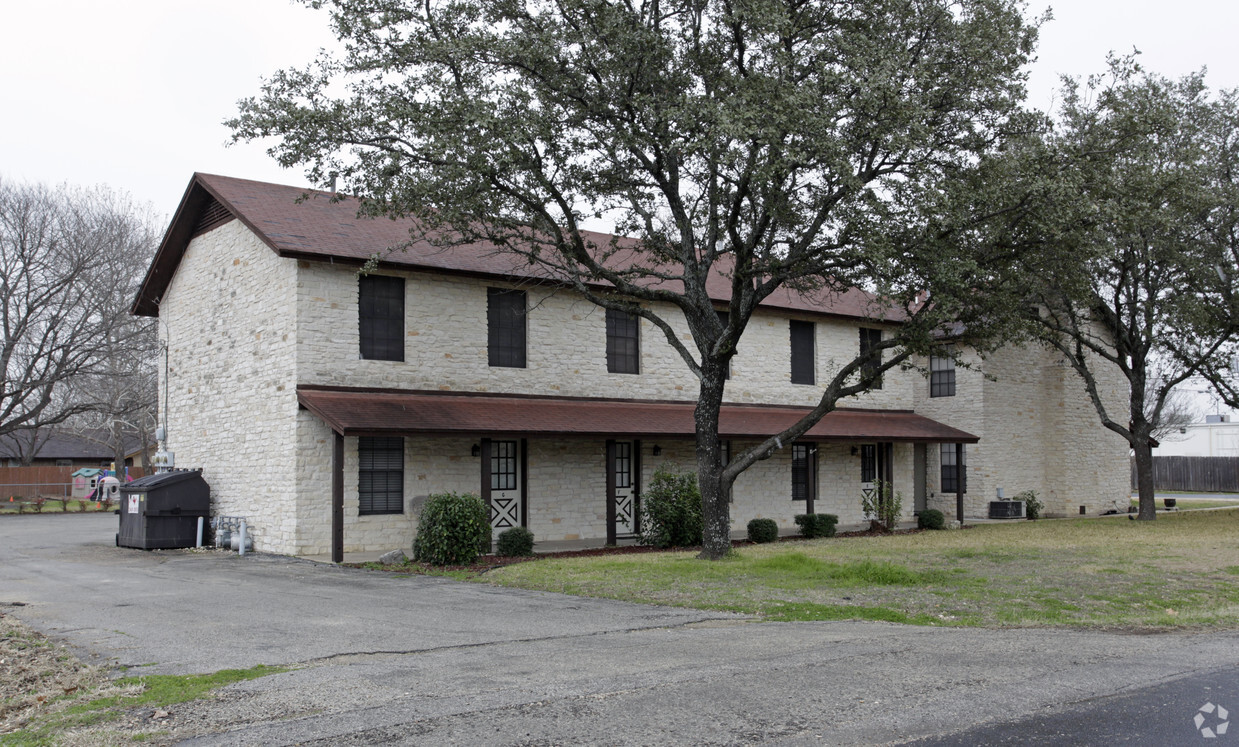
{"x": 212, "y": 215}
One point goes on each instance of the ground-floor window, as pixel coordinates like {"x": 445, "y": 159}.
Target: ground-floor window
{"x": 953, "y": 473}
{"x": 380, "y": 484}
{"x": 802, "y": 471}
{"x": 868, "y": 462}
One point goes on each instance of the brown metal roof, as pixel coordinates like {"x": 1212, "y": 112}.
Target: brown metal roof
{"x": 355, "y": 412}
{"x": 312, "y": 224}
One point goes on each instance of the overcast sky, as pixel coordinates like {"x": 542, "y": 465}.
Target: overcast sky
{"x": 133, "y": 94}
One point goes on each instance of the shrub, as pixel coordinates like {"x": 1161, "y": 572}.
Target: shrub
{"x": 882, "y": 506}
{"x": 453, "y": 529}
{"x": 38, "y": 503}
{"x": 671, "y": 510}
{"x": 817, "y": 525}
{"x": 515, "y": 542}
{"x": 824, "y": 524}
{"x": 763, "y": 530}
{"x": 1032, "y": 505}
{"x": 931, "y": 518}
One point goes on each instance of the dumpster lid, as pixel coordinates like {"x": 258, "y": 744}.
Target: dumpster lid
{"x": 162, "y": 479}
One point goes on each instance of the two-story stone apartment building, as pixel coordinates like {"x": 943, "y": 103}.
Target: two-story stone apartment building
{"x": 325, "y": 405}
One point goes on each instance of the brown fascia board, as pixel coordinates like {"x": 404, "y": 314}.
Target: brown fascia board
{"x": 176, "y": 241}
{"x": 180, "y": 232}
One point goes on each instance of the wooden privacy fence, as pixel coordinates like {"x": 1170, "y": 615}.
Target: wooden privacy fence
{"x": 53, "y": 482}
{"x": 1197, "y": 474}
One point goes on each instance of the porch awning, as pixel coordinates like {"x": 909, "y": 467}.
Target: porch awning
{"x": 369, "y": 412}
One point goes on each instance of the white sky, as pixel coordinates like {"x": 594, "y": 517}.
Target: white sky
{"x": 133, "y": 94}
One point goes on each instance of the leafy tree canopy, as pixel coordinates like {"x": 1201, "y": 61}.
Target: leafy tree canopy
{"x": 773, "y": 144}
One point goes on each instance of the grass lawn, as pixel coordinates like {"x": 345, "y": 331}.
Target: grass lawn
{"x": 1187, "y": 504}
{"x": 1181, "y": 570}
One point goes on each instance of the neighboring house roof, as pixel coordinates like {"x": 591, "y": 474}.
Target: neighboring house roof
{"x": 353, "y": 412}
{"x": 311, "y": 224}
{"x": 63, "y": 446}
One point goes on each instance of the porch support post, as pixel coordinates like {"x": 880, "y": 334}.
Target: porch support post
{"x": 959, "y": 483}
{"x": 810, "y": 492}
{"x": 337, "y": 498}
{"x": 888, "y": 449}
{"x": 610, "y": 467}
{"x": 636, "y": 486}
{"x": 525, "y": 482}
{"x": 485, "y": 487}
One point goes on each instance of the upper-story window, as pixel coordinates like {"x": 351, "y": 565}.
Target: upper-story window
{"x": 380, "y": 304}
{"x": 802, "y": 334}
{"x": 942, "y": 375}
{"x": 623, "y": 342}
{"x": 869, "y": 339}
{"x": 505, "y": 327}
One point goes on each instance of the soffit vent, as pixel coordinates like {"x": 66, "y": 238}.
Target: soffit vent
{"x": 213, "y": 215}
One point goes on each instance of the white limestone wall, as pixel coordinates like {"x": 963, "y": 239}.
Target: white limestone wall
{"x": 1038, "y": 431}
{"x": 228, "y": 319}
{"x": 445, "y": 349}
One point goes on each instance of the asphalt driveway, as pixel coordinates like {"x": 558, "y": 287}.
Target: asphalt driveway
{"x": 383, "y": 660}
{"x": 178, "y": 611}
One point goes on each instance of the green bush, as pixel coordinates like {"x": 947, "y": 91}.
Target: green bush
{"x": 515, "y": 542}
{"x": 882, "y": 506}
{"x": 817, "y": 525}
{"x": 930, "y": 518}
{"x": 763, "y": 530}
{"x": 453, "y": 529}
{"x": 1032, "y": 504}
{"x": 671, "y": 510}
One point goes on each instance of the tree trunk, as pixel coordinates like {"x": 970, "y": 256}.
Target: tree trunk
{"x": 1144, "y": 479}
{"x": 715, "y": 508}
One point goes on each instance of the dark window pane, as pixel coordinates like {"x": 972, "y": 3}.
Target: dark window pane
{"x": 505, "y": 327}
{"x": 380, "y": 480}
{"x": 380, "y": 304}
{"x": 868, "y": 462}
{"x": 950, "y": 471}
{"x": 870, "y": 338}
{"x": 800, "y": 472}
{"x": 941, "y": 376}
{"x": 503, "y": 465}
{"x": 623, "y": 464}
{"x": 623, "y": 347}
{"x": 802, "y": 352}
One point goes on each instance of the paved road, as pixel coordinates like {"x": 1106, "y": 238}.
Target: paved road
{"x": 386, "y": 660}
{"x": 1191, "y": 710}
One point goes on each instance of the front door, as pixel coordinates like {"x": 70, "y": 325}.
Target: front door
{"x": 623, "y": 466}
{"x": 505, "y": 486}
{"x": 869, "y": 472}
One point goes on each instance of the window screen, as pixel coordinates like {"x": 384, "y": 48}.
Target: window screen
{"x": 801, "y": 472}
{"x": 868, "y": 462}
{"x": 941, "y": 376}
{"x": 951, "y": 472}
{"x": 380, "y": 304}
{"x": 505, "y": 327}
{"x": 623, "y": 347}
{"x": 802, "y": 352}
{"x": 380, "y": 484}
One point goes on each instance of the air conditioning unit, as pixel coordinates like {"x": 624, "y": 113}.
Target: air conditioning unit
{"x": 1006, "y": 509}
